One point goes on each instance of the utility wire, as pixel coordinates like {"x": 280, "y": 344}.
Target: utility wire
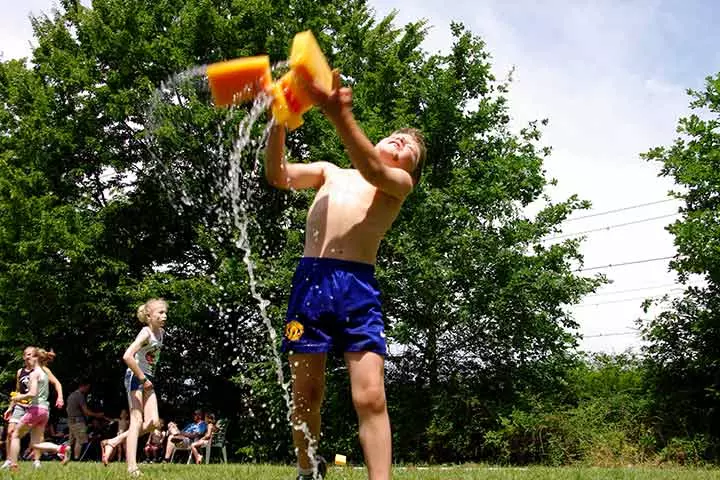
{"x": 611, "y": 334}
{"x": 608, "y": 227}
{"x": 615, "y": 292}
{"x": 654, "y": 297}
{"x": 613, "y": 265}
{"x": 607, "y": 212}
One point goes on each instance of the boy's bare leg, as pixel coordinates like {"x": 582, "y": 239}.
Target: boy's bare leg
{"x": 308, "y": 388}
{"x": 367, "y": 379}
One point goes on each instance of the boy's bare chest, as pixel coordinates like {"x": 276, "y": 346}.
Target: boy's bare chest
{"x": 344, "y": 189}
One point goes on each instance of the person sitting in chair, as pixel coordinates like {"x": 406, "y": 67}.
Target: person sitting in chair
{"x": 207, "y": 438}
{"x": 193, "y": 431}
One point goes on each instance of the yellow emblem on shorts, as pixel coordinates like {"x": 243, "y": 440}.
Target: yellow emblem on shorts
{"x": 294, "y": 330}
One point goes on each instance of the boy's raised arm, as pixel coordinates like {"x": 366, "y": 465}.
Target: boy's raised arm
{"x": 337, "y": 105}
{"x": 281, "y": 174}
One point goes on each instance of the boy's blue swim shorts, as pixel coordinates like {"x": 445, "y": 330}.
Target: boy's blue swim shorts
{"x": 334, "y": 305}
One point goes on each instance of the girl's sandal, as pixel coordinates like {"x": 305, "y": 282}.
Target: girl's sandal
{"x": 105, "y": 454}
{"x": 135, "y": 472}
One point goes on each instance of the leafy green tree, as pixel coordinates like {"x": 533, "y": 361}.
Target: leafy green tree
{"x": 115, "y": 186}
{"x": 684, "y": 340}
{"x": 604, "y": 418}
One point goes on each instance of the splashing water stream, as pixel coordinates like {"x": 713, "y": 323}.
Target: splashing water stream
{"x": 242, "y": 222}
{"x": 239, "y": 215}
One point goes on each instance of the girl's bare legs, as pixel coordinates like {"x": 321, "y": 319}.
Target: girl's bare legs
{"x": 14, "y": 452}
{"x": 133, "y": 432}
{"x": 8, "y": 440}
{"x": 194, "y": 451}
{"x": 39, "y": 445}
{"x": 150, "y": 414}
{"x": 139, "y": 409}
{"x": 108, "y": 446}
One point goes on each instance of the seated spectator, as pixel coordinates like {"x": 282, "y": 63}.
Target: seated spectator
{"x": 154, "y": 445}
{"x": 3, "y": 433}
{"x": 207, "y": 438}
{"x": 193, "y": 431}
{"x": 173, "y": 428}
{"x": 98, "y": 429}
{"x": 54, "y": 434}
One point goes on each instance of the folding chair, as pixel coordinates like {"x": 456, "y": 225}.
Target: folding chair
{"x": 218, "y": 441}
{"x": 183, "y": 448}
{"x": 93, "y": 443}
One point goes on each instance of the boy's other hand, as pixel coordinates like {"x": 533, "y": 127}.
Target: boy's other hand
{"x": 334, "y": 103}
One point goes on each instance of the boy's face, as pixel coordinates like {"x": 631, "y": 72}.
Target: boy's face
{"x": 399, "y": 150}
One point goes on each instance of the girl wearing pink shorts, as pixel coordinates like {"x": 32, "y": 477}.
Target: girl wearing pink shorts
{"x": 36, "y": 414}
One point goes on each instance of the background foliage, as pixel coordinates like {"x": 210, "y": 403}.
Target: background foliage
{"x": 116, "y": 184}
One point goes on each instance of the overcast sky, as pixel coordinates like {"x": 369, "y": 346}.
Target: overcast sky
{"x": 611, "y": 77}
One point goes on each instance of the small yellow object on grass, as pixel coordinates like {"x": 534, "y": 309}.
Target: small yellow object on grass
{"x": 340, "y": 459}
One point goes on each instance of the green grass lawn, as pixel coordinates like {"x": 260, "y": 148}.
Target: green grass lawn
{"x": 117, "y": 471}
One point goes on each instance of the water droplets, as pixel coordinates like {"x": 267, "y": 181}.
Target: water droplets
{"x": 220, "y": 185}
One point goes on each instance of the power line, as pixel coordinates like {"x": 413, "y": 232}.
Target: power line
{"x": 654, "y": 297}
{"x": 608, "y": 227}
{"x": 607, "y": 212}
{"x": 615, "y": 292}
{"x": 611, "y": 334}
{"x": 613, "y": 265}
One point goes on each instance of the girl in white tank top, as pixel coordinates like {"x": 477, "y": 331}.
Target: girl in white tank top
{"x": 141, "y": 358}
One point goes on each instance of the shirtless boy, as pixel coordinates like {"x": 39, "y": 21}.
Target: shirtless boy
{"x": 335, "y": 300}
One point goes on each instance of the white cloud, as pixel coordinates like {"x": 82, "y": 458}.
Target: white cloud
{"x": 15, "y": 29}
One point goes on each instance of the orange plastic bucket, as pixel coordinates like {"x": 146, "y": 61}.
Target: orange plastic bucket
{"x": 238, "y": 80}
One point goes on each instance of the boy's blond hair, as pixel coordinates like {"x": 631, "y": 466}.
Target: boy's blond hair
{"x": 422, "y": 151}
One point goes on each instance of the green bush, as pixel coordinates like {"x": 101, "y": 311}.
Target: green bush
{"x": 603, "y": 420}
{"x": 601, "y": 432}
{"x": 686, "y": 451}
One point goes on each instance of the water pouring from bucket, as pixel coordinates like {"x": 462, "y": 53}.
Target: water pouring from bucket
{"x": 249, "y": 79}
